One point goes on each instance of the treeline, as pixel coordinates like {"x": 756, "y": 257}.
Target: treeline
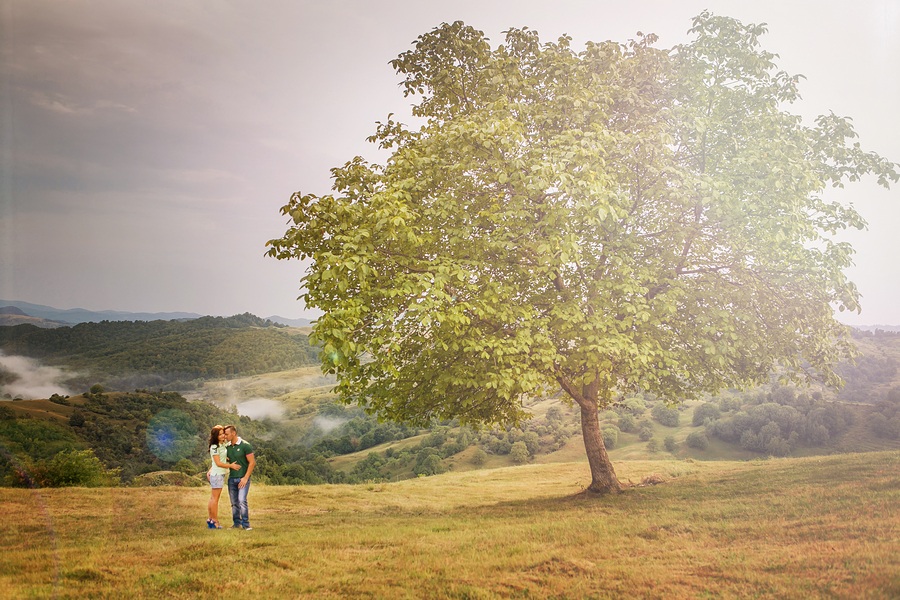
{"x": 128, "y": 354}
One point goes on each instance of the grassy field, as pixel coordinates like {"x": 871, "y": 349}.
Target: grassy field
{"x": 818, "y": 527}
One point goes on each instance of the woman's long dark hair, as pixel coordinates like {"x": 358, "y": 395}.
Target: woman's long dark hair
{"x": 214, "y": 435}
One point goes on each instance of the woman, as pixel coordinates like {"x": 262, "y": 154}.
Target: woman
{"x": 217, "y": 473}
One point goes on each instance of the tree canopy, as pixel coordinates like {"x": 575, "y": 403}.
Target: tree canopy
{"x": 620, "y": 218}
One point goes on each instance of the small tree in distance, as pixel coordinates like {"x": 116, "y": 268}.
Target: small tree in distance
{"x": 617, "y": 220}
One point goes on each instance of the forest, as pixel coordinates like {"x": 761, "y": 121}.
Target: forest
{"x": 126, "y": 355}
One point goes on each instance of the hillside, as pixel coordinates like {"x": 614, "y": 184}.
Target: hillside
{"x": 130, "y": 354}
{"x": 805, "y": 528}
{"x": 11, "y": 315}
{"x": 305, "y": 437}
{"x": 132, "y": 433}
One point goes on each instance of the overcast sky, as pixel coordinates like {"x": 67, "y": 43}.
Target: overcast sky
{"x": 146, "y": 147}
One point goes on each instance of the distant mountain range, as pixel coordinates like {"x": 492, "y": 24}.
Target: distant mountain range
{"x": 48, "y": 316}
{"x": 15, "y": 312}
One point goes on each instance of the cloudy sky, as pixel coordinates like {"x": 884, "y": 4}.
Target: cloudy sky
{"x": 146, "y": 147}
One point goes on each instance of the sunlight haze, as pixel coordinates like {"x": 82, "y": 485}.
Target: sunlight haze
{"x": 146, "y": 148}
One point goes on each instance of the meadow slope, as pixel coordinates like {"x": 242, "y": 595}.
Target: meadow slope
{"x": 817, "y": 527}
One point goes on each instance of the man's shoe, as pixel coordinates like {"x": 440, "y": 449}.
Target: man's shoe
{"x": 248, "y": 528}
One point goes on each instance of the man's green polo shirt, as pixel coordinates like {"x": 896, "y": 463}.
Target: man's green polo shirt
{"x": 237, "y": 453}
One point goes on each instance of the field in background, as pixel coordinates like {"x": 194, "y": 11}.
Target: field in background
{"x": 788, "y": 528}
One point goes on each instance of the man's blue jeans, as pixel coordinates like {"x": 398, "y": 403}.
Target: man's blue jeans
{"x": 240, "y": 514}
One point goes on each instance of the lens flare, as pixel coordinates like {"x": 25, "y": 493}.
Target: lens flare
{"x": 171, "y": 435}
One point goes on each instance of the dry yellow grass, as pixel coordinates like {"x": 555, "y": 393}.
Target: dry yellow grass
{"x": 823, "y": 527}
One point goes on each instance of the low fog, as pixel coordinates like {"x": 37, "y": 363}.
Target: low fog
{"x": 260, "y": 408}
{"x": 328, "y": 424}
{"x": 26, "y": 378}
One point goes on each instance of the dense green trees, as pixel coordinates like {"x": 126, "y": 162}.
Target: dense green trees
{"x": 131, "y": 354}
{"x": 618, "y": 219}
{"x": 779, "y": 422}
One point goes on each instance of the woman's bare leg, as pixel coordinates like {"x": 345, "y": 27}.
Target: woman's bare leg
{"x": 214, "y": 505}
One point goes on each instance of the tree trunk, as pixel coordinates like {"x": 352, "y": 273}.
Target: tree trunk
{"x": 603, "y": 477}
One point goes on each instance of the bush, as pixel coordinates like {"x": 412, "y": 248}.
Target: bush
{"x": 430, "y": 465}
{"x": 186, "y": 466}
{"x": 479, "y": 456}
{"x": 669, "y": 444}
{"x": 697, "y": 440}
{"x": 554, "y": 414}
{"x": 635, "y": 406}
{"x": 69, "y": 468}
{"x": 704, "y": 412}
{"x": 653, "y": 446}
{"x": 645, "y": 430}
{"x": 610, "y": 436}
{"x": 665, "y": 415}
{"x": 76, "y": 419}
{"x": 519, "y": 453}
{"x": 627, "y": 423}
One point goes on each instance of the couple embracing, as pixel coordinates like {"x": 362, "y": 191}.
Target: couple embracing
{"x": 232, "y": 460}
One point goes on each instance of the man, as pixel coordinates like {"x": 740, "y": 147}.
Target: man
{"x": 241, "y": 453}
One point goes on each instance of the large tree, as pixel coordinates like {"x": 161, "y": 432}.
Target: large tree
{"x": 622, "y": 218}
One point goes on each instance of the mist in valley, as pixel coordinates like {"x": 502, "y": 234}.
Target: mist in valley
{"x": 27, "y": 379}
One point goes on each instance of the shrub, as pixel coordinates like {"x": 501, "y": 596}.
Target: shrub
{"x": 653, "y": 446}
{"x": 665, "y": 415}
{"x": 479, "y": 456}
{"x": 635, "y": 406}
{"x": 186, "y": 466}
{"x": 431, "y": 465}
{"x": 76, "y": 419}
{"x": 532, "y": 442}
{"x": 554, "y": 414}
{"x": 627, "y": 423}
{"x": 697, "y": 440}
{"x": 63, "y": 400}
{"x": 705, "y": 411}
{"x": 669, "y": 444}
{"x": 610, "y": 436}
{"x": 434, "y": 439}
{"x": 499, "y": 445}
{"x": 69, "y": 468}
{"x": 519, "y": 453}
